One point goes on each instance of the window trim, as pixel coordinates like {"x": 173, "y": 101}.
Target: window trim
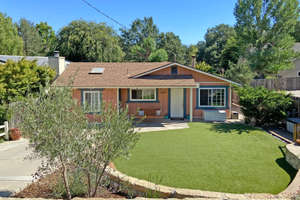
{"x": 142, "y": 100}
{"x": 99, "y": 94}
{"x": 225, "y": 88}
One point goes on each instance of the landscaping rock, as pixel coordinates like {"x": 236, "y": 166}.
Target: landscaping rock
{"x": 293, "y": 155}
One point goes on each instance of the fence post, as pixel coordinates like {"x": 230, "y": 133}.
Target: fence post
{"x": 6, "y": 137}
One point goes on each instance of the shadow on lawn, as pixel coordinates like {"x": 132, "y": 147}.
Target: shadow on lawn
{"x": 232, "y": 128}
{"x": 285, "y": 165}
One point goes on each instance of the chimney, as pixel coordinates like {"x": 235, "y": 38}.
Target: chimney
{"x": 193, "y": 61}
{"x": 56, "y": 54}
{"x": 57, "y": 62}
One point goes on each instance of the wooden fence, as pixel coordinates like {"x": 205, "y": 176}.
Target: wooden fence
{"x": 278, "y": 84}
{"x": 5, "y": 133}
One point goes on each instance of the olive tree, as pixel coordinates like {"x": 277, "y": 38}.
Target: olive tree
{"x": 60, "y": 132}
{"x": 53, "y": 122}
{"x": 113, "y": 137}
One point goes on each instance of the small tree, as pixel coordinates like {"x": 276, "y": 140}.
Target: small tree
{"x": 264, "y": 107}
{"x": 105, "y": 142}
{"x": 54, "y": 123}
{"x": 59, "y": 131}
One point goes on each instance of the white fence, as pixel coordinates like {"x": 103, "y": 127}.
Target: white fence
{"x": 5, "y": 133}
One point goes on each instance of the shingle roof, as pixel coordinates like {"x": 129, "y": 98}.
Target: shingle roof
{"x": 119, "y": 75}
{"x": 39, "y": 59}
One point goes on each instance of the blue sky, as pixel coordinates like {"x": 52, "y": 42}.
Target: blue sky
{"x": 187, "y": 18}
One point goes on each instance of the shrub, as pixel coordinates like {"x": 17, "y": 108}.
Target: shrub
{"x": 264, "y": 107}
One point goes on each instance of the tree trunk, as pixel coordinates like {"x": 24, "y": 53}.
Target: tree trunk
{"x": 65, "y": 177}
{"x": 89, "y": 183}
{"x": 99, "y": 179}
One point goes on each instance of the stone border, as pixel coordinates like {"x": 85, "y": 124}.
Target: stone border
{"x": 143, "y": 187}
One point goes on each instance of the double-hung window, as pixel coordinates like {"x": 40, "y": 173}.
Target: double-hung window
{"x": 143, "y": 94}
{"x": 215, "y": 97}
{"x": 92, "y": 101}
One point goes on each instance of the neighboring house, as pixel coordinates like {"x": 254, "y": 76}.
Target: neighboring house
{"x": 156, "y": 90}
{"x": 56, "y": 62}
{"x": 294, "y": 72}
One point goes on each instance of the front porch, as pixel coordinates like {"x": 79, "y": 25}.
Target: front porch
{"x": 159, "y": 103}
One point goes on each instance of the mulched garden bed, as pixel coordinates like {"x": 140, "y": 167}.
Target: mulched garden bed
{"x": 43, "y": 189}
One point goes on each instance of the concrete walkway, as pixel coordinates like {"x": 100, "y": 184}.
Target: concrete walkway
{"x": 161, "y": 125}
{"x": 15, "y": 171}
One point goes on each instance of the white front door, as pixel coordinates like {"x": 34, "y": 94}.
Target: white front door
{"x": 176, "y": 103}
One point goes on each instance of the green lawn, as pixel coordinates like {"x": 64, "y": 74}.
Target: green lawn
{"x": 217, "y": 157}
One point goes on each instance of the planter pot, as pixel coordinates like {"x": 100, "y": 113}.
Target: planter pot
{"x": 157, "y": 112}
{"x": 141, "y": 113}
{"x": 14, "y": 134}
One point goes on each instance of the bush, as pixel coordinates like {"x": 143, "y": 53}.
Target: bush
{"x": 3, "y": 113}
{"x": 264, "y": 107}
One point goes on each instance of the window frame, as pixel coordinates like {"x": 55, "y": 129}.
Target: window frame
{"x": 139, "y": 100}
{"x": 99, "y": 97}
{"x": 212, "y": 88}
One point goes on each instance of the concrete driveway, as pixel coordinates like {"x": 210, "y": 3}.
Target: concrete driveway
{"x": 15, "y": 171}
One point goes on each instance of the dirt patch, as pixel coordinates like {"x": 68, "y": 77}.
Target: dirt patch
{"x": 43, "y": 188}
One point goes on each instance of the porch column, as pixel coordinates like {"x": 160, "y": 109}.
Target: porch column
{"x": 191, "y": 104}
{"x": 118, "y": 98}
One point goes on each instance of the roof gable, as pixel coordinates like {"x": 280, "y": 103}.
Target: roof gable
{"x": 183, "y": 66}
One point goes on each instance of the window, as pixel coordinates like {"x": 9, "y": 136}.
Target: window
{"x": 298, "y": 73}
{"x": 212, "y": 97}
{"x": 92, "y": 101}
{"x": 173, "y": 70}
{"x": 142, "y": 94}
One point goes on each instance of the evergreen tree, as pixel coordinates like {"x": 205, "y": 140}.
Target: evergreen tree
{"x": 31, "y": 38}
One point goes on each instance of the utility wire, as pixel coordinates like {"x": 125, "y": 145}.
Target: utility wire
{"x": 102, "y": 13}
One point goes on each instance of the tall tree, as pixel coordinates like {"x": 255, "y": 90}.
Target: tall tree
{"x": 201, "y": 51}
{"x": 138, "y": 31}
{"x": 173, "y": 46}
{"x": 48, "y": 37}
{"x": 215, "y": 41}
{"x": 10, "y": 42}
{"x": 31, "y": 38}
{"x": 264, "y": 29}
{"x": 240, "y": 72}
{"x": 141, "y": 52}
{"x": 230, "y": 54}
{"x": 89, "y": 41}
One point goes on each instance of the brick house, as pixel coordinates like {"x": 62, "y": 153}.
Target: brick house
{"x": 151, "y": 89}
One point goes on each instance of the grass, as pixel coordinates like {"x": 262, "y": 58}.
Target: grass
{"x": 219, "y": 157}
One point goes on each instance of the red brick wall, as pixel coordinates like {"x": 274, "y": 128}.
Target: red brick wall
{"x": 109, "y": 95}
{"x": 77, "y": 95}
{"x": 133, "y": 107}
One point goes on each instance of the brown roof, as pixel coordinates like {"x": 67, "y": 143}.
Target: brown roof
{"x": 119, "y": 75}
